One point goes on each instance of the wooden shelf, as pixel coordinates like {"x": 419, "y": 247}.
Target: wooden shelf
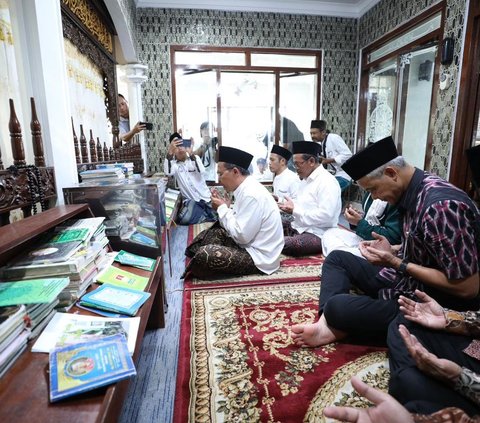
{"x": 24, "y": 389}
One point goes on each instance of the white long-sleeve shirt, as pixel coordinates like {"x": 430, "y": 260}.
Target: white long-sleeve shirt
{"x": 338, "y": 150}
{"x": 190, "y": 181}
{"x": 254, "y": 223}
{"x": 318, "y": 203}
{"x": 286, "y": 184}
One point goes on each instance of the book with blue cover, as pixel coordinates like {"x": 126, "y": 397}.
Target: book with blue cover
{"x": 116, "y": 299}
{"x": 78, "y": 368}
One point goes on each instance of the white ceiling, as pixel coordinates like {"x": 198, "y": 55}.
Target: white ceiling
{"x": 343, "y": 8}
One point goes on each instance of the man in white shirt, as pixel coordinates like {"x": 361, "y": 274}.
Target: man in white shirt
{"x": 249, "y": 236}
{"x": 188, "y": 172}
{"x": 317, "y": 206}
{"x": 285, "y": 182}
{"x": 334, "y": 151}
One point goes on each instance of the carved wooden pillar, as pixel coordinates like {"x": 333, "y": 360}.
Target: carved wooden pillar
{"x": 111, "y": 153}
{"x": 75, "y": 144}
{"x": 1, "y": 163}
{"x": 36, "y": 129}
{"x": 105, "y": 152}
{"x": 99, "y": 151}
{"x": 83, "y": 145}
{"x": 16, "y": 137}
{"x": 93, "y": 151}
{"x": 116, "y": 143}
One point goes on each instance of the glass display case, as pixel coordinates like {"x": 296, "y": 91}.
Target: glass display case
{"x": 134, "y": 210}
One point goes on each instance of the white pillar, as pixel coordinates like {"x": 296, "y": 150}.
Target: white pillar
{"x": 134, "y": 77}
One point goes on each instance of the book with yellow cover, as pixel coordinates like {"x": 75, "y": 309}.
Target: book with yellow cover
{"x": 118, "y": 277}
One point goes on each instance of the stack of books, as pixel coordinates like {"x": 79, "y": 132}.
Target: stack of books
{"x": 13, "y": 335}
{"x": 121, "y": 293}
{"x": 76, "y": 250}
{"x": 107, "y": 174}
{"x": 171, "y": 196}
{"x": 127, "y": 168}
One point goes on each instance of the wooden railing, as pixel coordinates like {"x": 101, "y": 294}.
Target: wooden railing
{"x": 23, "y": 186}
{"x": 91, "y": 153}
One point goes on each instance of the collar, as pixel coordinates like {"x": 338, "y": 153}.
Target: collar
{"x": 408, "y": 200}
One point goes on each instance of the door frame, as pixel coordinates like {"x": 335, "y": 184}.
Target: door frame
{"x": 468, "y": 106}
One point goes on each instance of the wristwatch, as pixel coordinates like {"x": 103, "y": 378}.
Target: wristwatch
{"x": 402, "y": 269}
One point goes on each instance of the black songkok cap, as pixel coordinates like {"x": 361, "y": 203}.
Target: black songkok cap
{"x": 306, "y": 147}
{"x": 370, "y": 158}
{"x": 319, "y": 124}
{"x": 234, "y": 156}
{"x": 281, "y": 151}
{"x": 174, "y": 135}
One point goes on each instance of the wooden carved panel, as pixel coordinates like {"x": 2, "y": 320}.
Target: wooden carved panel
{"x": 106, "y": 63}
{"x": 14, "y": 188}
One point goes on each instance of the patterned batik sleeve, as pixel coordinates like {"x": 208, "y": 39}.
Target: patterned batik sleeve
{"x": 463, "y": 323}
{"x": 450, "y": 238}
{"x": 468, "y": 384}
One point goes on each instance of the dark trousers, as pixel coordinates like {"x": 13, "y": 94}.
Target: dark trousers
{"x": 417, "y": 391}
{"x": 363, "y": 315}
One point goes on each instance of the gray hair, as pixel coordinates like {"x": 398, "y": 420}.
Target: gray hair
{"x": 398, "y": 161}
{"x": 242, "y": 171}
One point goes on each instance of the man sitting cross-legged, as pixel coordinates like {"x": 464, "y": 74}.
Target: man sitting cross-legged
{"x": 317, "y": 206}
{"x": 438, "y": 255}
{"x": 285, "y": 182}
{"x": 249, "y": 237}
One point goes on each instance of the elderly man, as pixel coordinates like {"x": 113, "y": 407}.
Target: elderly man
{"x": 249, "y": 237}
{"x": 334, "y": 151}
{"x": 285, "y": 182}
{"x": 438, "y": 255}
{"x": 317, "y": 206}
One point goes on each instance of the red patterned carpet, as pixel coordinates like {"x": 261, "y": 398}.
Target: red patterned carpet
{"x": 237, "y": 361}
{"x": 292, "y": 269}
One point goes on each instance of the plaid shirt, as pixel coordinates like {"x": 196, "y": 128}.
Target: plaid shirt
{"x": 440, "y": 231}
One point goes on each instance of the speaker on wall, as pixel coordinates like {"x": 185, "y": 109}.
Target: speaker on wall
{"x": 447, "y": 51}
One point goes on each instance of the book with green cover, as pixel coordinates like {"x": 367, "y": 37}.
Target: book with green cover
{"x": 31, "y": 291}
{"x": 118, "y": 277}
{"x": 68, "y": 235}
{"x": 135, "y": 260}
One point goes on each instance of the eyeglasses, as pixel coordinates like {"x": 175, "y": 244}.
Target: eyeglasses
{"x": 298, "y": 164}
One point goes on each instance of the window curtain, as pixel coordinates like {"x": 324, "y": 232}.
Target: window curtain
{"x": 9, "y": 86}
{"x": 87, "y": 98}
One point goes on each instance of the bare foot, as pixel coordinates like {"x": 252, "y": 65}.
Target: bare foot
{"x": 315, "y": 334}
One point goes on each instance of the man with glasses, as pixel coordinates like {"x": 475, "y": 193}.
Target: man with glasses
{"x": 188, "y": 171}
{"x": 334, "y": 151}
{"x": 317, "y": 206}
{"x": 248, "y": 237}
{"x": 439, "y": 253}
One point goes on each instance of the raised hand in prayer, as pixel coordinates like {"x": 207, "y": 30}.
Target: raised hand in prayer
{"x": 286, "y": 205}
{"x": 352, "y": 215}
{"x": 378, "y": 251}
{"x": 427, "y": 313}
{"x": 386, "y": 410}
{"x": 217, "y": 199}
{"x": 439, "y": 368}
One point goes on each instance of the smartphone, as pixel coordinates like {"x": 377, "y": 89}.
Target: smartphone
{"x": 186, "y": 143}
{"x": 148, "y": 125}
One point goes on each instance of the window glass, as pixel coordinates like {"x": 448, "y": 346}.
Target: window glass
{"x": 283, "y": 60}
{"x": 209, "y": 58}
